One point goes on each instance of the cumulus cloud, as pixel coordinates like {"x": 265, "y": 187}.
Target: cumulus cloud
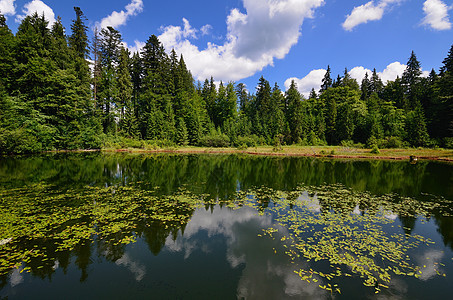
{"x": 367, "y": 12}
{"x": 309, "y": 82}
{"x": 137, "y": 47}
{"x": 436, "y": 15}
{"x": 38, "y": 7}
{"x": 314, "y": 78}
{"x": 266, "y": 31}
{"x": 7, "y": 7}
{"x": 116, "y": 19}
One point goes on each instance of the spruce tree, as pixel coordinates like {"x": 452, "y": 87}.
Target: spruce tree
{"x": 365, "y": 87}
{"x": 110, "y": 50}
{"x": 123, "y": 84}
{"x": 78, "y": 41}
{"x": 7, "y": 61}
{"x": 447, "y": 62}
{"x": 376, "y": 84}
{"x": 326, "y": 81}
{"x": 182, "y": 138}
{"x": 411, "y": 81}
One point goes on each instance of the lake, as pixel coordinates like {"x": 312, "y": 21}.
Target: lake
{"x": 166, "y": 226}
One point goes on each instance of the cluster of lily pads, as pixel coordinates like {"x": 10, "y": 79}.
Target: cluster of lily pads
{"x": 352, "y": 232}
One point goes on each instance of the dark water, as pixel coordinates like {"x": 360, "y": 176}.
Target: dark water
{"x": 207, "y": 251}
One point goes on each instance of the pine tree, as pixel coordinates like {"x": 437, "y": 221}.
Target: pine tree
{"x": 411, "y": 81}
{"x": 313, "y": 94}
{"x": 348, "y": 81}
{"x": 78, "y": 41}
{"x": 123, "y": 84}
{"x": 7, "y": 61}
{"x": 97, "y": 67}
{"x": 417, "y": 134}
{"x": 110, "y": 50}
{"x": 365, "y": 87}
{"x": 136, "y": 71}
{"x": 243, "y": 96}
{"x": 183, "y": 139}
{"x": 447, "y": 62}
{"x": 293, "y": 115}
{"x": 326, "y": 81}
{"x": 376, "y": 85}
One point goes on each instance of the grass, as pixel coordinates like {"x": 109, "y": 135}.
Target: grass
{"x": 315, "y": 151}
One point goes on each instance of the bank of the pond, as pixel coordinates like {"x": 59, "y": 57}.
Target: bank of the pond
{"x": 310, "y": 151}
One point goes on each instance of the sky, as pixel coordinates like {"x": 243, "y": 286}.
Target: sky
{"x": 282, "y": 40}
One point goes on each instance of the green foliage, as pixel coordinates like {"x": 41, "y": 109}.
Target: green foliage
{"x": 215, "y": 139}
{"x": 375, "y": 150}
{"x": 183, "y": 138}
{"x": 19, "y": 141}
{"x": 248, "y": 141}
{"x": 448, "y": 142}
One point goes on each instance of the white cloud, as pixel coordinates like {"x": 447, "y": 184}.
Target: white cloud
{"x": 392, "y": 71}
{"x": 314, "y": 78}
{"x": 358, "y": 73}
{"x": 116, "y": 19}
{"x": 309, "y": 82}
{"x": 367, "y": 12}
{"x": 267, "y": 30}
{"x": 137, "y": 47}
{"x": 172, "y": 34}
{"x": 206, "y": 29}
{"x": 436, "y": 15}
{"x": 7, "y": 7}
{"x": 39, "y": 7}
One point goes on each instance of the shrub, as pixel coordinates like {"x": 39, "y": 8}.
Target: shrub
{"x": 215, "y": 140}
{"x": 242, "y": 147}
{"x": 19, "y": 141}
{"x": 248, "y": 141}
{"x": 448, "y": 142}
{"x": 375, "y": 150}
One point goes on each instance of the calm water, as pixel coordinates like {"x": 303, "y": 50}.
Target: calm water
{"x": 116, "y": 226}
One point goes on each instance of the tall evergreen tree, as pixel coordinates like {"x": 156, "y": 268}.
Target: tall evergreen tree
{"x": 376, "y": 84}
{"x": 78, "y": 41}
{"x": 7, "y": 61}
{"x": 326, "y": 81}
{"x": 411, "y": 81}
{"x": 447, "y": 63}
{"x": 110, "y": 50}
{"x": 293, "y": 115}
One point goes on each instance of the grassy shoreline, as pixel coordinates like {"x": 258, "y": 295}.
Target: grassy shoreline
{"x": 308, "y": 151}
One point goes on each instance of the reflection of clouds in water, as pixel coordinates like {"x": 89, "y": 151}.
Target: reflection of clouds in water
{"x": 312, "y": 204}
{"x": 16, "y": 277}
{"x": 397, "y": 290}
{"x": 56, "y": 265}
{"x": 265, "y": 275}
{"x": 137, "y": 269}
{"x": 390, "y": 215}
{"x": 219, "y": 222}
{"x": 357, "y": 210}
{"x": 429, "y": 263}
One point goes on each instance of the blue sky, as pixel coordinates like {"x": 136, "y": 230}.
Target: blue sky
{"x": 240, "y": 40}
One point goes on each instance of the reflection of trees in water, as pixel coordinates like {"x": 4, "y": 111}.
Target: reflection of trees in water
{"x": 221, "y": 175}
{"x": 445, "y": 228}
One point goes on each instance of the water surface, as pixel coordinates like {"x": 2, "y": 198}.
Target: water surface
{"x": 223, "y": 226}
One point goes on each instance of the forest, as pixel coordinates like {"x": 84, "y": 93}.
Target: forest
{"x": 66, "y": 91}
